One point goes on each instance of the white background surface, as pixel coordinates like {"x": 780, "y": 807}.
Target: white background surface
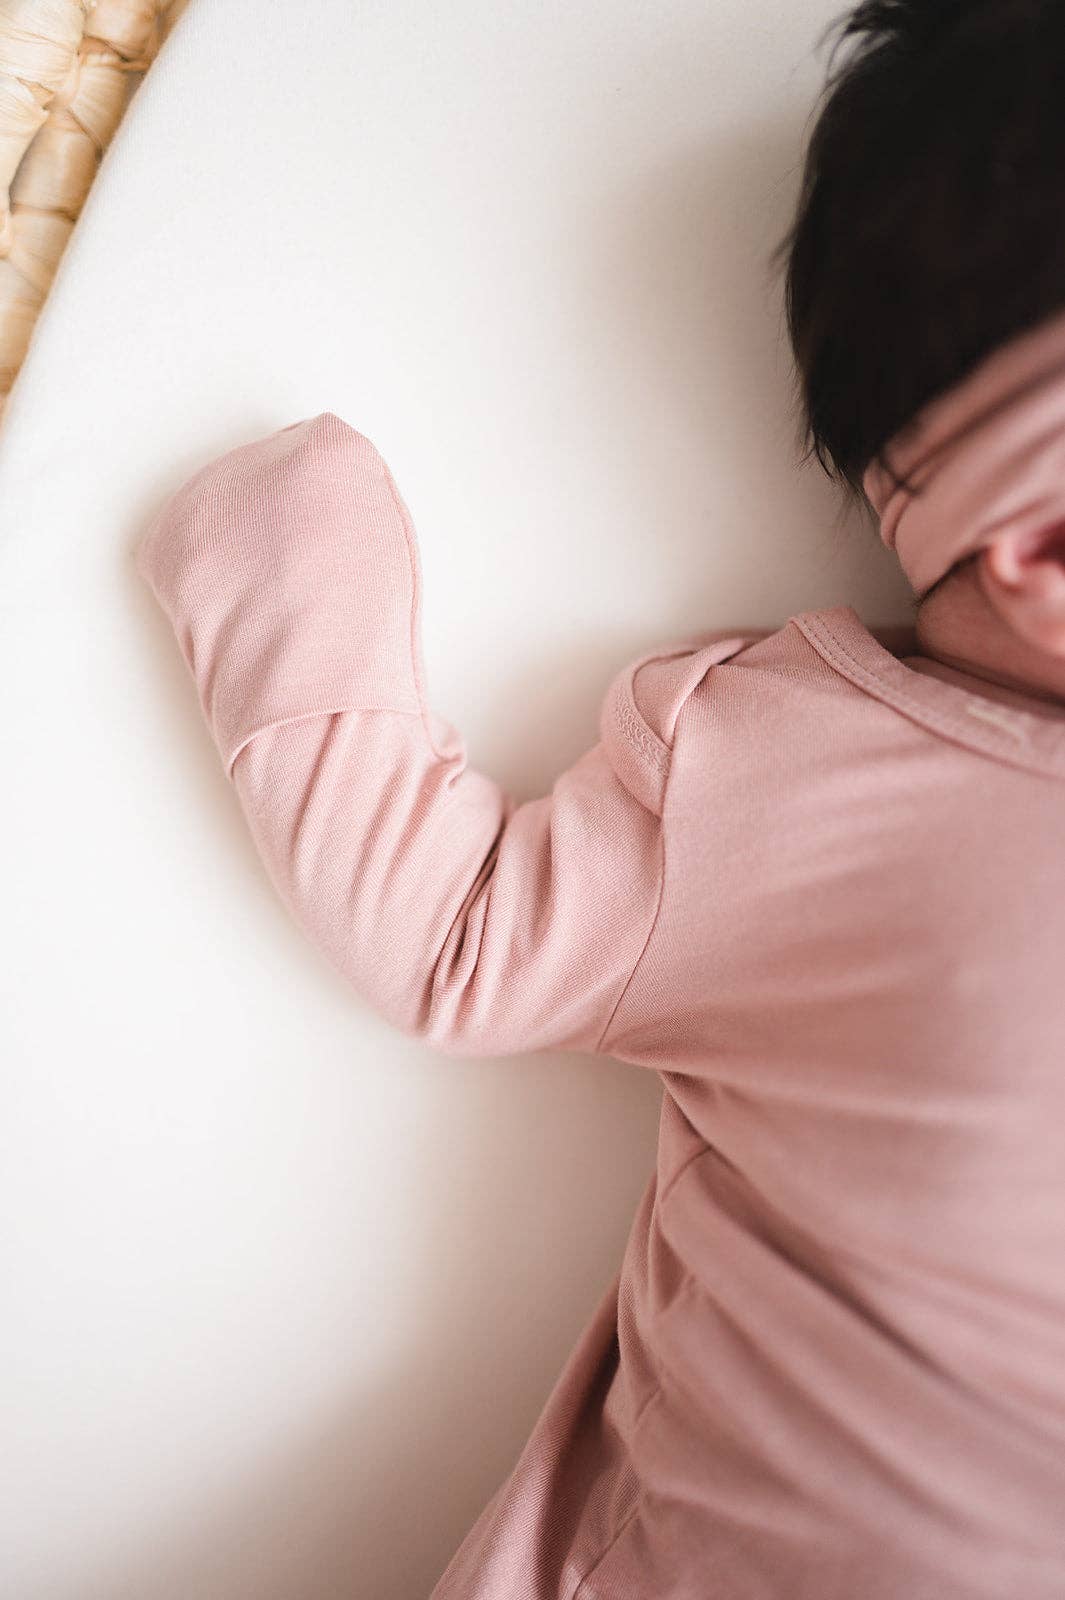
{"x": 258, "y": 1249}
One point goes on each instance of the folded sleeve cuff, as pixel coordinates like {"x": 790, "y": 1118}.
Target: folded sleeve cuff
{"x": 290, "y": 573}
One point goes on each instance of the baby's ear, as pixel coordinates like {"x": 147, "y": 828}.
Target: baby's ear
{"x": 1023, "y": 577}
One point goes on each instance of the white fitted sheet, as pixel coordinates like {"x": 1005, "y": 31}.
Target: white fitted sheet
{"x": 520, "y": 246}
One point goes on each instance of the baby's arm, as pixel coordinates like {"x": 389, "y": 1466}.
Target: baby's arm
{"x": 290, "y": 573}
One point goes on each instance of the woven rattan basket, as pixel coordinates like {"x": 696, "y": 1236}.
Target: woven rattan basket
{"x": 68, "y": 69}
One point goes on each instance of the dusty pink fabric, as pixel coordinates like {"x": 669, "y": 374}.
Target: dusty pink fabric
{"x": 818, "y": 891}
{"x": 984, "y": 456}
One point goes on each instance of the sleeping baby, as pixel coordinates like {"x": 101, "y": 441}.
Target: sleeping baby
{"x": 813, "y": 878}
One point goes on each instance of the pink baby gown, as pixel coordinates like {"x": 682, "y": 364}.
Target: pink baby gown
{"x": 821, "y": 893}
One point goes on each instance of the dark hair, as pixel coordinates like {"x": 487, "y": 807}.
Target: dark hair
{"x": 930, "y": 225}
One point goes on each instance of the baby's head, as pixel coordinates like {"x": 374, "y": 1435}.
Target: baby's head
{"x": 929, "y": 237}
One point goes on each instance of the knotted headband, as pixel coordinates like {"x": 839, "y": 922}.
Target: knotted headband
{"x": 986, "y": 456}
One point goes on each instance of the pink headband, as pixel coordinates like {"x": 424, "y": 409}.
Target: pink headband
{"x": 987, "y": 455}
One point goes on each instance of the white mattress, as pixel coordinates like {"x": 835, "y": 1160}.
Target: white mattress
{"x": 256, "y": 1244}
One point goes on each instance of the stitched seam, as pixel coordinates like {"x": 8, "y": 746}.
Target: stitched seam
{"x": 654, "y": 922}
{"x": 641, "y": 737}
{"x": 838, "y": 654}
{"x": 668, "y": 769}
{"x": 416, "y": 587}
{"x": 898, "y": 695}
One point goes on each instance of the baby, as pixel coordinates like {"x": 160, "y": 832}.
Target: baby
{"x": 815, "y": 883}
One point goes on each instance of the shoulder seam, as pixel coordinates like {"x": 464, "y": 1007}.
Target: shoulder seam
{"x": 660, "y": 755}
{"x": 598, "y": 1048}
{"x": 667, "y": 768}
{"x": 641, "y": 737}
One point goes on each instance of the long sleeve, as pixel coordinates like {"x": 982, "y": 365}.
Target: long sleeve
{"x": 289, "y": 571}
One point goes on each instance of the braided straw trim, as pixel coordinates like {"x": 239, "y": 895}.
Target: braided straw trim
{"x": 68, "y": 69}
